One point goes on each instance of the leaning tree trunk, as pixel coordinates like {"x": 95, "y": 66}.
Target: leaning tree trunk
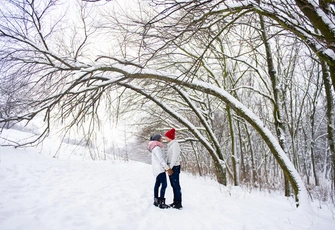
{"x": 330, "y": 115}
{"x": 324, "y": 26}
{"x": 289, "y": 170}
{"x": 277, "y": 105}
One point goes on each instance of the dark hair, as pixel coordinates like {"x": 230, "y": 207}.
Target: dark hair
{"x": 155, "y": 137}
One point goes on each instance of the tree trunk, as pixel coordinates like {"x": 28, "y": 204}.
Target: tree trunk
{"x": 277, "y": 109}
{"x": 330, "y": 115}
{"x": 243, "y": 150}
{"x": 253, "y": 166}
{"x": 197, "y": 159}
{"x": 220, "y": 172}
{"x": 233, "y": 148}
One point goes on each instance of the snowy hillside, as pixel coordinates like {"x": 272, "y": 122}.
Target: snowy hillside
{"x": 39, "y": 192}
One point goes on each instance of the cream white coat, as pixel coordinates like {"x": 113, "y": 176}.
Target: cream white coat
{"x": 158, "y": 161}
{"x": 173, "y": 153}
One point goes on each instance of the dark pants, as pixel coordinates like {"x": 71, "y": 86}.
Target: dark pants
{"x": 160, "y": 180}
{"x": 174, "y": 180}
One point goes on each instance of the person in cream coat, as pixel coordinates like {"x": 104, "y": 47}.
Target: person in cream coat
{"x": 159, "y": 169}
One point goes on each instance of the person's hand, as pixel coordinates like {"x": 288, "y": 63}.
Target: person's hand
{"x": 170, "y": 172}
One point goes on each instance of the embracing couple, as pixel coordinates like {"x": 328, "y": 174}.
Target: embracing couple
{"x": 166, "y": 163}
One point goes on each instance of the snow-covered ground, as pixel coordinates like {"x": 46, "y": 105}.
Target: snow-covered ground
{"x": 39, "y": 192}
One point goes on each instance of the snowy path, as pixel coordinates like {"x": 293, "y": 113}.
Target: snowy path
{"x": 38, "y": 192}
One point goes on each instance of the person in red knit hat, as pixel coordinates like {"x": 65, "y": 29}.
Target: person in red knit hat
{"x": 171, "y": 134}
{"x": 173, "y": 161}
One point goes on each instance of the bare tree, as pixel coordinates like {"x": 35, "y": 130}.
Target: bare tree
{"x": 173, "y": 49}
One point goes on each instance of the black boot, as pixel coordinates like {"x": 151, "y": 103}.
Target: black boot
{"x": 177, "y": 205}
{"x": 162, "y": 204}
{"x": 156, "y": 202}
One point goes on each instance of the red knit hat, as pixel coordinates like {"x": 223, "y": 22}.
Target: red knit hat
{"x": 171, "y": 134}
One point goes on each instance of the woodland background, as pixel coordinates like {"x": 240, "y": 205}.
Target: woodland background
{"x": 249, "y": 85}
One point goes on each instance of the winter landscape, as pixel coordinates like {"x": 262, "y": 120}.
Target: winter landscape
{"x": 39, "y": 192}
{"x": 246, "y": 86}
